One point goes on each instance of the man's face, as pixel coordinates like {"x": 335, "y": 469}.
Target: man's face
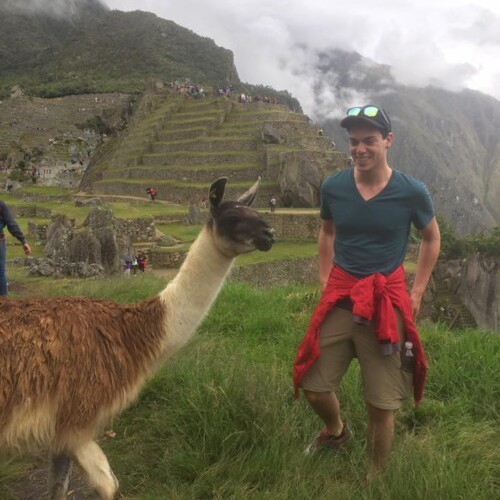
{"x": 368, "y": 147}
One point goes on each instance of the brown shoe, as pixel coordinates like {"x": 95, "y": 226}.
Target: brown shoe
{"x": 325, "y": 441}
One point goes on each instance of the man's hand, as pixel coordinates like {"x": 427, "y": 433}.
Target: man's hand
{"x": 27, "y": 249}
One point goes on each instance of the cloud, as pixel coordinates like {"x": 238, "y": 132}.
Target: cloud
{"x": 450, "y": 43}
{"x": 55, "y": 8}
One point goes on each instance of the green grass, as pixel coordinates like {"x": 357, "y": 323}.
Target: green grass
{"x": 121, "y": 210}
{"x": 181, "y": 232}
{"x": 45, "y": 190}
{"x": 281, "y": 250}
{"x": 219, "y": 421}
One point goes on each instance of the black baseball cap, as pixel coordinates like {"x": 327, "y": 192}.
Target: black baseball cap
{"x": 370, "y": 114}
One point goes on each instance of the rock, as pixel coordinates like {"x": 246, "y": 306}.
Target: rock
{"x": 194, "y": 217}
{"x": 99, "y": 241}
{"x": 301, "y": 175}
{"x": 166, "y": 241}
{"x": 90, "y": 202}
{"x": 476, "y": 282}
{"x": 60, "y": 268}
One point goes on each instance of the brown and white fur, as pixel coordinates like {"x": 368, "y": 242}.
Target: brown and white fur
{"x": 67, "y": 365}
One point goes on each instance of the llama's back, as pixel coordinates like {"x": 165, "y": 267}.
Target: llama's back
{"x": 68, "y": 364}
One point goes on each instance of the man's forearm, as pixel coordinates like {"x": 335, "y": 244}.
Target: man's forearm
{"x": 325, "y": 256}
{"x": 427, "y": 258}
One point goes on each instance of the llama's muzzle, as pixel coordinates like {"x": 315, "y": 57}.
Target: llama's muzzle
{"x": 264, "y": 241}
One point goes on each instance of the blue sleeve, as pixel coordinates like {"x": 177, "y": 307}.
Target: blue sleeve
{"x": 11, "y": 224}
{"x": 424, "y": 209}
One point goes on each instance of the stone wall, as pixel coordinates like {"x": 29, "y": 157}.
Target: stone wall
{"x": 476, "y": 281}
{"x": 37, "y": 232}
{"x": 294, "y": 226}
{"x": 142, "y": 229}
{"x": 31, "y": 211}
{"x": 165, "y": 258}
{"x": 278, "y": 273}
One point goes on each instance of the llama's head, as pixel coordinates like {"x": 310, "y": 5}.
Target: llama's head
{"x": 237, "y": 228}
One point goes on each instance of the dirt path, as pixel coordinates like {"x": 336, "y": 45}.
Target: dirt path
{"x": 119, "y": 197}
{"x": 33, "y": 486}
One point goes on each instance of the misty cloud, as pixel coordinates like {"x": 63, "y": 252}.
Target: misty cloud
{"x": 450, "y": 43}
{"x": 484, "y": 29}
{"x": 53, "y": 8}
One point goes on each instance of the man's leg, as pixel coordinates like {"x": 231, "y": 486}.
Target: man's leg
{"x": 385, "y": 387}
{"x": 324, "y": 376}
{"x": 379, "y": 434}
{"x": 326, "y": 405}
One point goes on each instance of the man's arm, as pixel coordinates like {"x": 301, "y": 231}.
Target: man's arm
{"x": 325, "y": 250}
{"x": 427, "y": 257}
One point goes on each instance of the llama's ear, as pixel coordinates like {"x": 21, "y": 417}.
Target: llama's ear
{"x": 249, "y": 197}
{"x": 216, "y": 192}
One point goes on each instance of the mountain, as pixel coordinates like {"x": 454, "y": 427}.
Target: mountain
{"x": 91, "y": 49}
{"x": 449, "y": 140}
{"x": 66, "y": 47}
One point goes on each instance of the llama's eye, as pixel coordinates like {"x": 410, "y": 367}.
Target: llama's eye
{"x": 233, "y": 219}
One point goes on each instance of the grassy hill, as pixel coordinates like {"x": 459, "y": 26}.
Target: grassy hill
{"x": 219, "y": 420}
{"x": 109, "y": 51}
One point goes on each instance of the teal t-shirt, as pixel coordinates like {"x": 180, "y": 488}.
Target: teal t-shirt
{"x": 372, "y": 236}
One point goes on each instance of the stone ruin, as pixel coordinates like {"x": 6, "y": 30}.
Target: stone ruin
{"x": 96, "y": 248}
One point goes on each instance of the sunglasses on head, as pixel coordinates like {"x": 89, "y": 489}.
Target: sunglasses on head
{"x": 368, "y": 111}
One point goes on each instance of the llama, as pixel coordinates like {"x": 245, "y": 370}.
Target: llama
{"x": 69, "y": 364}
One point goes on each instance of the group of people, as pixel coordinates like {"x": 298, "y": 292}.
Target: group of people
{"x": 187, "y": 88}
{"x": 134, "y": 264}
{"x": 365, "y": 310}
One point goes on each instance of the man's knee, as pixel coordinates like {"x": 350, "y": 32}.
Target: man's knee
{"x": 316, "y": 397}
{"x": 380, "y": 417}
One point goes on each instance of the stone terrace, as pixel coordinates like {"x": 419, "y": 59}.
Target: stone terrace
{"x": 180, "y": 145}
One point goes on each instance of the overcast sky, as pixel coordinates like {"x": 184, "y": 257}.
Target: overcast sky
{"x": 448, "y": 43}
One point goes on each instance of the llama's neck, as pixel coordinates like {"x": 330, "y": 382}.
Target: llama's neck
{"x": 188, "y": 297}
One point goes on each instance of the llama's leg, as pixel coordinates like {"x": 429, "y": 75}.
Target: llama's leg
{"x": 94, "y": 463}
{"x": 60, "y": 471}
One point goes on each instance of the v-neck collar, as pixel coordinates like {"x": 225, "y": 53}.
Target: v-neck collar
{"x": 368, "y": 200}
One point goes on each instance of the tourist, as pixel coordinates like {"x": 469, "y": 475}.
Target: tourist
{"x": 272, "y": 203}
{"x": 7, "y": 220}
{"x": 365, "y": 310}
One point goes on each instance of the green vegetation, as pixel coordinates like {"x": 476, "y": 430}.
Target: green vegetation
{"x": 281, "y": 250}
{"x": 110, "y": 51}
{"x": 454, "y": 247}
{"x": 107, "y": 53}
{"x": 183, "y": 232}
{"x": 219, "y": 420}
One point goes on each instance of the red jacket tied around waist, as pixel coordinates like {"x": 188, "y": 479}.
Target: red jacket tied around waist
{"x": 374, "y": 299}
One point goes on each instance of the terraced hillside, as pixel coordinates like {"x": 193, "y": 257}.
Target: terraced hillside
{"x": 179, "y": 145}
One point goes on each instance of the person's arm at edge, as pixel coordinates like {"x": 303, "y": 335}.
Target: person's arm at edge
{"x": 325, "y": 250}
{"x": 14, "y": 229}
{"x": 427, "y": 257}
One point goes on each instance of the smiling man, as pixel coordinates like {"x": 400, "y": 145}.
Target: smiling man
{"x": 365, "y": 310}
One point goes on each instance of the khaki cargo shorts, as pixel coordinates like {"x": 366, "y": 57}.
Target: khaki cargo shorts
{"x": 385, "y": 384}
